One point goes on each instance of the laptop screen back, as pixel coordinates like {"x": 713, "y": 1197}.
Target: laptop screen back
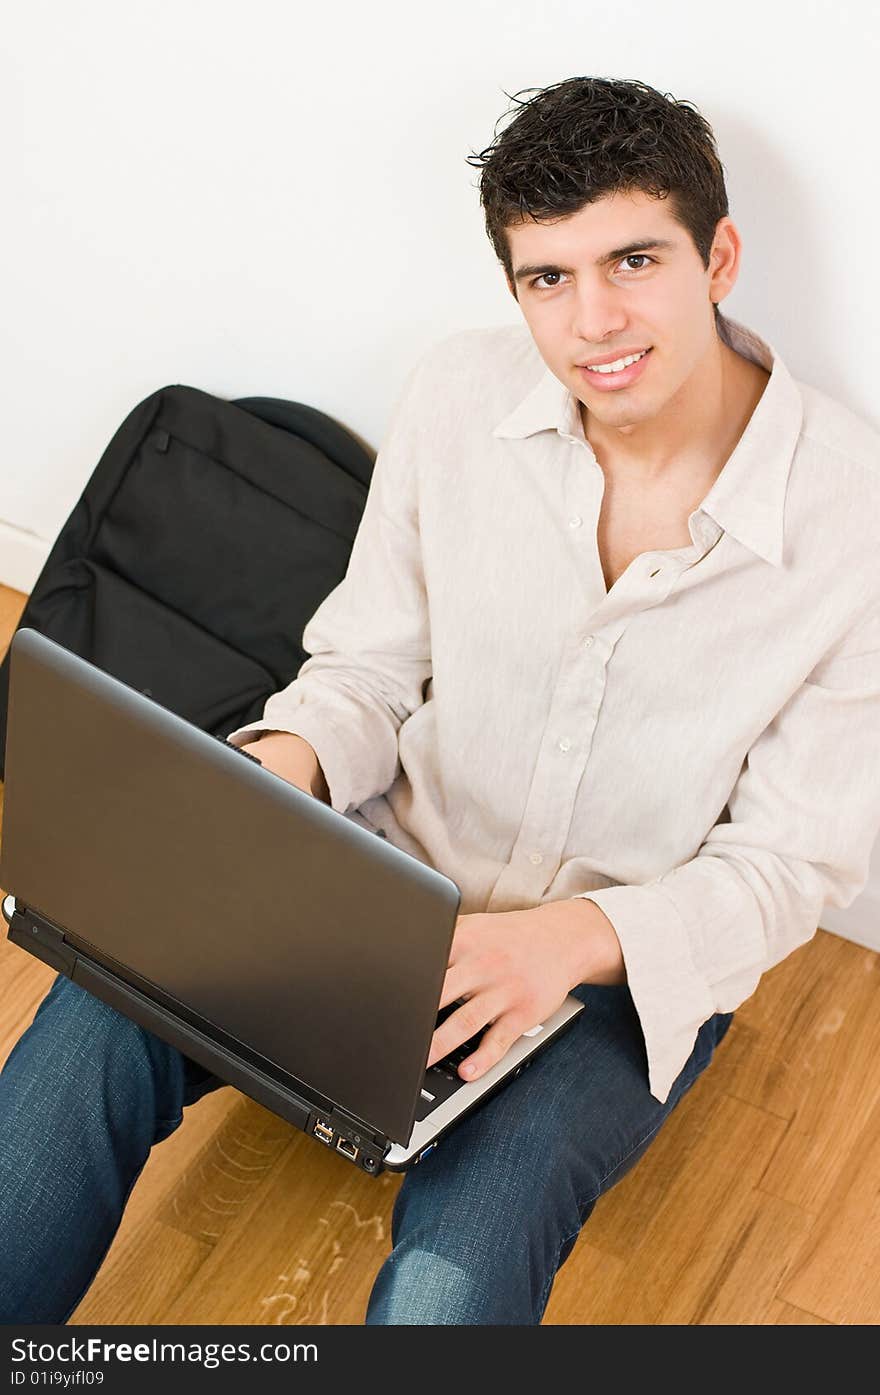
{"x": 257, "y": 907}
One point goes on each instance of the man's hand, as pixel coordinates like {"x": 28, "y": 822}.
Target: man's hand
{"x": 515, "y": 968}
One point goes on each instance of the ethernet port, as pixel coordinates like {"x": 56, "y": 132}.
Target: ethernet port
{"x": 343, "y": 1145}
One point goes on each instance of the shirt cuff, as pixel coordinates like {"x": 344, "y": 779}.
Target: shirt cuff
{"x": 333, "y": 757}
{"x": 670, "y": 997}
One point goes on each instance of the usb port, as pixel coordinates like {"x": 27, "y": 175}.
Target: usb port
{"x": 324, "y": 1132}
{"x": 344, "y": 1146}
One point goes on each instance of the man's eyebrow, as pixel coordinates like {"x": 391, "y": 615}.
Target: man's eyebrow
{"x": 616, "y": 255}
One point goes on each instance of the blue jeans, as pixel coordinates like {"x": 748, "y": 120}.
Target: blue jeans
{"x": 479, "y": 1228}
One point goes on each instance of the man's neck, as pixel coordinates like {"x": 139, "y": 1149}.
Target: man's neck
{"x": 699, "y": 430}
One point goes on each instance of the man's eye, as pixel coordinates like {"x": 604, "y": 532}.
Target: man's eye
{"x": 638, "y": 257}
{"x": 547, "y": 276}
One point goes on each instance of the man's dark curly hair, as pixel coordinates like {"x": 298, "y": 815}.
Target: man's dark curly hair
{"x": 587, "y": 137}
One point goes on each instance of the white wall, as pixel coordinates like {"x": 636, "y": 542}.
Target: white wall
{"x": 273, "y": 199}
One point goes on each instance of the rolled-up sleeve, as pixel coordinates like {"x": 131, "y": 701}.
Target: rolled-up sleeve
{"x": 804, "y": 815}
{"x": 369, "y": 640}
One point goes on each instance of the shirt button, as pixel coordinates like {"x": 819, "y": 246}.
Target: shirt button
{"x": 575, "y": 521}
{"x": 565, "y": 744}
{"x": 588, "y": 641}
{"x": 537, "y": 858}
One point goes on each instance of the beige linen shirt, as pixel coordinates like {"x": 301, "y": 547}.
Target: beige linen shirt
{"x": 696, "y": 750}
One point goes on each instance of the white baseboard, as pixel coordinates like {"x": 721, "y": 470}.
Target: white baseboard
{"x": 22, "y": 557}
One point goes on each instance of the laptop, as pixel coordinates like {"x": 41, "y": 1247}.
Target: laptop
{"x": 277, "y": 942}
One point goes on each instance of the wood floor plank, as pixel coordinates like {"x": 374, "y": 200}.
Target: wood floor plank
{"x": 304, "y": 1249}
{"x": 137, "y": 1283}
{"x": 788, "y": 1027}
{"x": 743, "y": 1273}
{"x": 677, "y": 1266}
{"x": 839, "y": 1031}
{"x": 233, "y": 1163}
{"x": 584, "y": 1289}
{"x": 835, "y": 1275}
{"x": 781, "y": 1314}
{"x": 25, "y": 983}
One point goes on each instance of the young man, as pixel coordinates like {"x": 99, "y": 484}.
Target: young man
{"x": 608, "y": 654}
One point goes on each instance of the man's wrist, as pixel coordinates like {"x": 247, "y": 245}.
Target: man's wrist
{"x": 596, "y": 955}
{"x": 293, "y": 758}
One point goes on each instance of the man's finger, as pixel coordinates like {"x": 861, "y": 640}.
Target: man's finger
{"x": 461, "y": 1025}
{"x": 494, "y": 1044}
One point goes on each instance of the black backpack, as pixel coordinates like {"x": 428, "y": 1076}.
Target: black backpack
{"x": 208, "y": 534}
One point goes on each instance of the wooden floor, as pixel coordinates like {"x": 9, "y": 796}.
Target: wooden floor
{"x": 757, "y": 1203}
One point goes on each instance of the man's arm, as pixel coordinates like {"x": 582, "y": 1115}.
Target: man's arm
{"x": 803, "y": 819}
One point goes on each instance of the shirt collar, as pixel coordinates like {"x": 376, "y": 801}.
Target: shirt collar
{"x": 748, "y": 497}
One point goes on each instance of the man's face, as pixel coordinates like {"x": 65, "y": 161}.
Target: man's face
{"x": 583, "y": 301}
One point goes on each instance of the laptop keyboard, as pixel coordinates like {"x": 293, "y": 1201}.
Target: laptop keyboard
{"x": 442, "y": 1079}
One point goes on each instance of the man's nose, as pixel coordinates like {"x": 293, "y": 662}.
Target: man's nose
{"x": 598, "y": 316}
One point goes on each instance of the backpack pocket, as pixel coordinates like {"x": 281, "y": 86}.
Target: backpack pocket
{"x": 152, "y": 647}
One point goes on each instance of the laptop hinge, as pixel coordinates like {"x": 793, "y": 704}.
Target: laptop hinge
{"x": 42, "y": 939}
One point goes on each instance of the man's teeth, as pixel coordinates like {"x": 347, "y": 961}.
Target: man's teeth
{"x": 619, "y": 364}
